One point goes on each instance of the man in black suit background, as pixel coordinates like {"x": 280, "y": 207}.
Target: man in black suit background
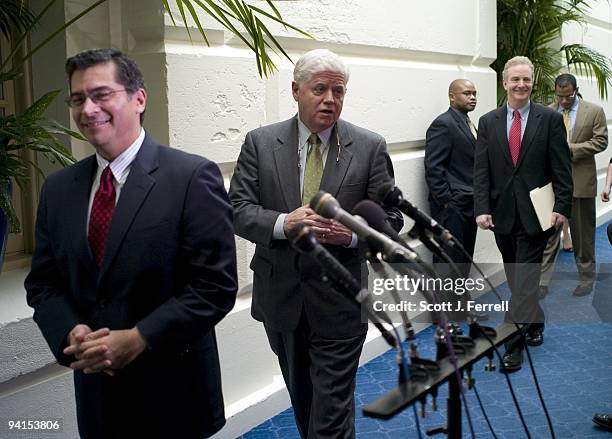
{"x": 521, "y": 146}
{"x": 449, "y": 170}
{"x": 134, "y": 265}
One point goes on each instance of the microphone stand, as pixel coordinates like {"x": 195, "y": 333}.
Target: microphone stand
{"x": 448, "y": 345}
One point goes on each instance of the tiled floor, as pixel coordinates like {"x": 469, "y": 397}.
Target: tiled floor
{"x": 574, "y": 368}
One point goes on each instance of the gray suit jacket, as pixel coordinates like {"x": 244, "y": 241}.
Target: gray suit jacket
{"x": 266, "y": 184}
{"x": 589, "y": 136}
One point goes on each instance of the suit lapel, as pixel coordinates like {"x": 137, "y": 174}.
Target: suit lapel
{"x": 501, "y": 131}
{"x": 134, "y": 192}
{"x": 338, "y": 158}
{"x": 580, "y": 121}
{"x": 78, "y": 205}
{"x": 533, "y": 124}
{"x": 286, "y": 160}
{"x": 463, "y": 126}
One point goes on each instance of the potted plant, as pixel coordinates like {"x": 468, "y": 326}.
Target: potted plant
{"x": 30, "y": 131}
{"x": 26, "y": 131}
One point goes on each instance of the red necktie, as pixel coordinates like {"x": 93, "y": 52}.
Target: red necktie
{"x": 515, "y": 137}
{"x": 101, "y": 214}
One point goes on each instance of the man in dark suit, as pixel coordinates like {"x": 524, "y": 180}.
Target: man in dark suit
{"x": 521, "y": 146}
{"x": 449, "y": 169}
{"x": 316, "y": 332}
{"x": 587, "y": 134}
{"x": 134, "y": 266}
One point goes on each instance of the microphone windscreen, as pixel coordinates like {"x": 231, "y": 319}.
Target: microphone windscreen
{"x": 374, "y": 215}
{"x": 302, "y": 238}
{"x": 384, "y": 191}
{"x": 324, "y": 204}
{"x": 377, "y": 218}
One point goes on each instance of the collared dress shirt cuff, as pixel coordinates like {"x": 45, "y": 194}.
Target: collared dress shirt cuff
{"x": 279, "y": 232}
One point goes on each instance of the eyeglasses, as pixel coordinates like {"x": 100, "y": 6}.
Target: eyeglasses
{"x": 96, "y": 96}
{"x": 567, "y": 98}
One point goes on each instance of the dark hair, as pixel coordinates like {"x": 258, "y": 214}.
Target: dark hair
{"x": 566, "y": 79}
{"x": 127, "y": 72}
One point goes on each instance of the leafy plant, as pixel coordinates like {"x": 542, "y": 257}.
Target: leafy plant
{"x": 226, "y": 12}
{"x": 31, "y": 131}
{"x": 28, "y": 131}
{"x": 532, "y": 28}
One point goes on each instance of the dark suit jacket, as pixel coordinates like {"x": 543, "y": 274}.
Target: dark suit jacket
{"x": 266, "y": 184}
{"x": 449, "y": 162}
{"x": 502, "y": 190}
{"x": 169, "y": 268}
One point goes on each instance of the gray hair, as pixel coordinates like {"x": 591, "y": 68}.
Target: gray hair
{"x": 317, "y": 61}
{"x": 516, "y": 61}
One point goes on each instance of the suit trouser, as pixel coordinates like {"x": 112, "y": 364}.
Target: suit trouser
{"x": 582, "y": 229}
{"x": 522, "y": 255}
{"x": 320, "y": 376}
{"x": 463, "y": 227}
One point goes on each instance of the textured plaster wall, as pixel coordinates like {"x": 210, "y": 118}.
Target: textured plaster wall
{"x": 204, "y": 100}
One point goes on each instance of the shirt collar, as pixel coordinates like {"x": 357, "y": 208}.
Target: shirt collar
{"x": 121, "y": 165}
{"x": 574, "y": 106}
{"x": 462, "y": 114}
{"x": 523, "y": 111}
{"x": 304, "y": 134}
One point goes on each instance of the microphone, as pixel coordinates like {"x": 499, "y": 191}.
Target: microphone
{"x": 376, "y": 217}
{"x": 304, "y": 241}
{"x": 392, "y": 196}
{"x": 327, "y": 206}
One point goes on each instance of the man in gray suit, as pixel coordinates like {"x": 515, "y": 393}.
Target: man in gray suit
{"x": 587, "y": 134}
{"x": 316, "y": 332}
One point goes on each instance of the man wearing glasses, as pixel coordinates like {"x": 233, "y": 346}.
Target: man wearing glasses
{"x": 521, "y": 146}
{"x": 587, "y": 134}
{"x": 134, "y": 265}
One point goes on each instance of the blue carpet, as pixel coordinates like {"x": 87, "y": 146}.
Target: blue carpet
{"x": 573, "y": 367}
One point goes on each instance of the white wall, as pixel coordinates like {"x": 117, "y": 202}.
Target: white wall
{"x": 596, "y": 34}
{"x": 402, "y": 56}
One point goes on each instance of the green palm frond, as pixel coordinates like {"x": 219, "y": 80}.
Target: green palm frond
{"x": 6, "y": 206}
{"x": 24, "y": 35}
{"x": 31, "y": 131}
{"x": 232, "y": 13}
{"x": 532, "y": 28}
{"x": 591, "y": 64}
{"x": 15, "y": 16}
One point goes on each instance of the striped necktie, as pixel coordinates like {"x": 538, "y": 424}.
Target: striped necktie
{"x": 472, "y": 127}
{"x": 567, "y": 122}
